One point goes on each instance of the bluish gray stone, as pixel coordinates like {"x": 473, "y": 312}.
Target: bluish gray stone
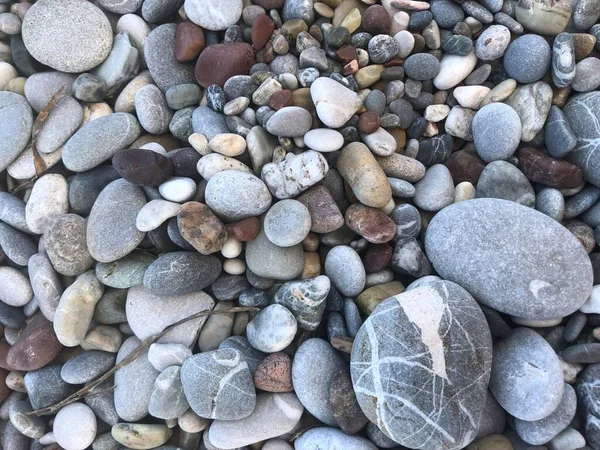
{"x": 152, "y": 109}
{"x": 208, "y": 122}
{"x": 551, "y": 202}
{"x": 401, "y": 188}
{"x": 531, "y": 48}
{"x": 383, "y": 48}
{"x": 435, "y": 190}
{"x": 305, "y": 299}
{"x": 558, "y": 135}
{"x": 156, "y": 11}
{"x": 407, "y": 220}
{"x": 16, "y": 121}
{"x": 168, "y": 400}
{"x": 272, "y": 329}
{"x": 125, "y": 272}
{"x": 496, "y": 131}
{"x": 12, "y": 212}
{"x": 331, "y": 439}
{"x": 121, "y": 65}
{"x": 17, "y": 246}
{"x": 299, "y": 9}
{"x": 252, "y": 356}
{"x": 61, "y": 123}
{"x": 85, "y": 187}
{"x": 346, "y": 271}
{"x": 501, "y": 179}
{"x": 432, "y": 339}
{"x": 587, "y": 75}
{"x": 45, "y": 387}
{"x": 409, "y": 259}
{"x": 581, "y": 202}
{"x": 458, "y": 45}
{"x": 421, "y": 66}
{"x": 86, "y": 366}
{"x": 503, "y": 259}
{"x": 446, "y": 13}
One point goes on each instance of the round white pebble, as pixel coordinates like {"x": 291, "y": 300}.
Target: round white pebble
{"x": 231, "y": 248}
{"x": 324, "y": 140}
{"x": 178, "y": 189}
{"x": 75, "y": 427}
{"x": 234, "y": 266}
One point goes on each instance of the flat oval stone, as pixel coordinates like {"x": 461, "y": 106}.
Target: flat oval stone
{"x": 189, "y": 41}
{"x": 143, "y": 167}
{"x": 292, "y": 121}
{"x": 87, "y": 366}
{"x": 334, "y": 439}
{"x": 535, "y": 50}
{"x": 49, "y": 199}
{"x": 447, "y": 318}
{"x": 526, "y": 352}
{"x": 62, "y": 122}
{"x": 66, "y": 245}
{"x": 99, "y": 140}
{"x": 454, "y": 69}
{"x": 219, "y": 62}
{"x": 325, "y": 215}
{"x": 36, "y": 346}
{"x": 16, "y": 121}
{"x": 141, "y": 436}
{"x": 111, "y": 230}
{"x": 75, "y": 426}
{"x": 370, "y": 223}
{"x": 541, "y": 168}
{"x": 178, "y": 273}
{"x": 530, "y": 288}
{"x": 435, "y": 190}
{"x": 324, "y": 140}
{"x": 67, "y": 35}
{"x": 345, "y": 269}
{"x": 287, "y": 223}
{"x": 267, "y": 260}
{"x": 152, "y": 109}
{"x": 335, "y": 103}
{"x": 45, "y": 284}
{"x": 563, "y": 60}
{"x": 85, "y": 187}
{"x": 15, "y": 289}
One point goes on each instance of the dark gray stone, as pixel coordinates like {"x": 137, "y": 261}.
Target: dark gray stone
{"x": 446, "y": 13}
{"x": 500, "y": 179}
{"x": 208, "y": 122}
{"x": 558, "y": 135}
{"x": 125, "y": 272}
{"x": 252, "y": 356}
{"x": 17, "y": 246}
{"x": 85, "y": 187}
{"x": 407, "y": 220}
{"x": 421, "y": 66}
{"x": 45, "y": 387}
{"x": 382, "y": 48}
{"x": 156, "y": 11}
{"x": 458, "y": 45}
{"x": 587, "y": 353}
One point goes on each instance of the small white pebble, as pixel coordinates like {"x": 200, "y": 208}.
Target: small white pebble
{"x": 234, "y": 266}
{"x": 155, "y": 147}
{"x": 200, "y": 143}
{"x": 231, "y": 248}
{"x": 178, "y": 189}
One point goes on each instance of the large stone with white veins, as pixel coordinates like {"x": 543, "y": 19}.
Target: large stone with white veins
{"x": 507, "y": 258}
{"x": 583, "y": 113}
{"x": 526, "y": 366}
{"x": 563, "y": 60}
{"x": 218, "y": 385}
{"x": 420, "y": 366}
{"x": 295, "y": 174}
{"x": 212, "y": 15}
{"x": 334, "y": 102}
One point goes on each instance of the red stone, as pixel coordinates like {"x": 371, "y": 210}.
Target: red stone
{"x": 244, "y": 230}
{"x": 36, "y": 346}
{"x": 370, "y": 223}
{"x": 4, "y": 349}
{"x": 465, "y": 165}
{"x": 542, "y": 168}
{"x": 281, "y": 99}
{"x": 376, "y": 20}
{"x": 368, "y": 122}
{"x": 262, "y": 28}
{"x": 347, "y": 54}
{"x": 377, "y": 257}
{"x": 351, "y": 68}
{"x": 189, "y": 41}
{"x": 269, "y": 4}
{"x": 324, "y": 212}
{"x": 274, "y": 373}
{"x": 219, "y": 62}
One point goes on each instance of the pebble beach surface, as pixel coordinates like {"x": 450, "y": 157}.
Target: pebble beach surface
{"x": 299, "y": 224}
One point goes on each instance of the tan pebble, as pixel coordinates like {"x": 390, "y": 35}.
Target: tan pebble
{"x": 368, "y": 300}
{"x": 312, "y": 265}
{"x": 103, "y": 337}
{"x": 93, "y": 111}
{"x": 500, "y": 92}
{"x": 491, "y": 442}
{"x": 464, "y": 191}
{"x": 389, "y": 207}
{"x": 323, "y": 10}
{"x": 369, "y": 75}
{"x": 199, "y": 142}
{"x": 240, "y": 323}
{"x": 192, "y": 423}
{"x": 7, "y": 73}
{"x": 234, "y": 266}
{"x": 217, "y": 328}
{"x": 352, "y": 20}
{"x": 139, "y": 436}
{"x": 584, "y": 44}
{"x": 436, "y": 113}
{"x": 311, "y": 242}
{"x": 560, "y": 95}
{"x": 228, "y": 144}
{"x": 16, "y": 85}
{"x": 400, "y": 166}
{"x": 126, "y": 100}
{"x": 431, "y": 130}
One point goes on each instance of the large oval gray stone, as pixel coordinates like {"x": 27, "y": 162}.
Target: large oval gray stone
{"x": 16, "y": 120}
{"x": 267, "y": 260}
{"x": 420, "y": 366}
{"x": 510, "y": 257}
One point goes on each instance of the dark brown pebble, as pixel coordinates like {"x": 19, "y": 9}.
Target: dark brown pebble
{"x": 189, "y": 41}
{"x": 219, "y": 62}
{"x": 345, "y": 408}
{"x": 324, "y": 212}
{"x": 370, "y": 223}
{"x": 347, "y": 54}
{"x": 143, "y": 167}
{"x": 4, "y": 349}
{"x": 184, "y": 162}
{"x": 281, "y": 99}
{"x": 368, "y": 122}
{"x": 378, "y": 257}
{"x": 465, "y": 165}
{"x": 376, "y": 20}
{"x": 4, "y": 389}
{"x": 36, "y": 346}
{"x": 269, "y": 4}
{"x": 262, "y": 28}
{"x": 201, "y": 227}
{"x": 244, "y": 230}
{"x": 542, "y": 168}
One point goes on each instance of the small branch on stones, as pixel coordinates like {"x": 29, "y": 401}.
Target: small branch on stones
{"x": 342, "y": 343}
{"x": 90, "y": 388}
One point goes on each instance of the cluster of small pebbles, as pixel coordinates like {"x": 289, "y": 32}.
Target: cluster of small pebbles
{"x": 390, "y": 209}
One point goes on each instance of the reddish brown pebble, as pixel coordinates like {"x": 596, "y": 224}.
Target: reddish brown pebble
{"x": 351, "y": 68}
{"x": 4, "y": 348}
{"x": 36, "y": 346}
{"x": 189, "y": 41}
{"x": 376, "y": 20}
{"x": 368, "y": 122}
{"x": 324, "y": 212}
{"x": 542, "y": 168}
{"x": 378, "y": 257}
{"x": 370, "y": 223}
{"x": 347, "y": 53}
{"x": 201, "y": 228}
{"x": 266, "y": 55}
{"x": 262, "y": 28}
{"x": 465, "y": 165}
{"x": 4, "y": 389}
{"x": 395, "y": 61}
{"x": 274, "y": 373}
{"x": 143, "y": 167}
{"x": 219, "y": 62}
{"x": 244, "y": 230}
{"x": 269, "y": 4}
{"x": 281, "y": 99}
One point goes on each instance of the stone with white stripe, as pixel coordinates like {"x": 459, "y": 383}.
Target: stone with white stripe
{"x": 218, "y": 385}
{"x": 420, "y": 366}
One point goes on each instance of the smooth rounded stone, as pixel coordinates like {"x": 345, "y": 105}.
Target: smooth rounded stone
{"x": 275, "y": 415}
{"x": 167, "y": 400}
{"x": 121, "y": 65}
{"x": 540, "y": 168}
{"x": 581, "y": 202}
{"x": 75, "y": 427}
{"x": 324, "y": 140}
{"x": 380, "y": 142}
{"x": 272, "y": 329}
{"x": 370, "y": 223}
{"x": 277, "y": 444}
{"x": 13, "y": 438}
{"x": 213, "y": 16}
{"x": 470, "y": 96}
{"x": 587, "y": 75}
{"x": 134, "y": 383}
{"x": 30, "y": 425}
{"x": 585, "y": 14}
{"x": 152, "y": 109}
{"x": 267, "y": 260}
{"x": 502, "y": 143}
{"x": 45, "y": 284}
{"x": 422, "y": 66}
{"x": 365, "y": 176}
{"x": 65, "y": 243}
{"x": 227, "y": 393}
{"x": 409, "y": 259}
{"x": 335, "y": 104}
{"x": 99, "y": 140}
{"x": 345, "y": 269}
{"x": 436, "y": 308}
{"x": 235, "y": 195}
{"x": 15, "y": 288}
{"x": 539, "y": 432}
{"x": 324, "y": 213}
{"x": 435, "y": 150}
{"x": 535, "y": 50}
{"x": 149, "y": 313}
{"x": 213, "y": 163}
{"x": 551, "y": 202}
{"x": 287, "y": 223}
{"x": 306, "y": 300}
{"x": 75, "y": 45}
{"x": 120, "y": 6}
{"x": 228, "y": 144}
{"x": 544, "y": 17}
{"x": 459, "y": 123}
{"x": 435, "y": 190}
{"x": 531, "y": 287}
{"x": 159, "y": 52}
{"x": 502, "y": 180}
{"x": 274, "y": 373}
{"x": 208, "y": 122}
{"x": 558, "y": 134}
{"x": 526, "y": 352}
{"x": 85, "y": 187}
{"x": 60, "y": 125}
{"x": 178, "y": 189}
{"x": 313, "y": 370}
{"x": 401, "y": 188}
{"x": 331, "y": 439}
{"x": 76, "y": 308}
{"x": 563, "y": 60}
{"x": 183, "y": 95}
{"x": 111, "y": 307}
{"x": 16, "y": 121}
{"x": 532, "y": 103}
{"x": 454, "y": 69}
{"x": 219, "y": 62}
{"x": 446, "y": 13}
{"x": 12, "y": 212}
{"x": 181, "y": 126}
{"x": 291, "y": 121}
{"x": 408, "y": 221}
{"x": 40, "y": 87}
{"x": 201, "y": 228}
{"x": 582, "y": 353}
{"x": 45, "y": 387}
{"x": 493, "y": 417}
{"x": 111, "y": 230}
{"x": 35, "y": 347}
{"x": 155, "y": 213}
{"x": 49, "y": 199}
{"x": 17, "y": 246}
{"x": 458, "y": 45}
{"x": 141, "y": 436}
{"x": 86, "y": 366}
{"x": 295, "y": 174}
{"x": 162, "y": 356}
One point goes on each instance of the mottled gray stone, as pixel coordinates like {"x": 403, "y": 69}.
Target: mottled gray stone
{"x": 31, "y": 426}
{"x": 291, "y": 121}
{"x": 409, "y": 259}
{"x": 267, "y": 260}
{"x": 446, "y": 13}
{"x": 45, "y": 283}
{"x": 41, "y": 87}
{"x": 346, "y": 271}
{"x": 439, "y": 342}
{"x": 532, "y": 103}
{"x": 17, "y": 246}
{"x": 295, "y": 174}
{"x": 16, "y": 121}
{"x": 435, "y": 190}
{"x": 218, "y": 385}
{"x": 493, "y": 417}
{"x": 299, "y": 9}
{"x": 435, "y": 150}
{"x": 401, "y": 188}
{"x": 583, "y": 113}
{"x": 581, "y": 202}
{"x": 60, "y": 125}
{"x": 513, "y": 275}
{"x": 492, "y": 43}
{"x": 252, "y": 356}
{"x": 99, "y": 140}
{"x": 531, "y": 48}
{"x": 500, "y": 179}
{"x": 229, "y": 287}
{"x": 551, "y": 202}
{"x": 287, "y": 223}
{"x": 496, "y": 131}
{"x": 315, "y": 365}
{"x": 152, "y": 109}
{"x": 272, "y": 329}
{"x": 383, "y": 47}
{"x": 422, "y": 66}
{"x": 558, "y": 135}
{"x": 183, "y": 95}
{"x": 65, "y": 243}
{"x": 110, "y": 309}
{"x": 85, "y": 187}
{"x": 148, "y": 314}
{"x": 563, "y": 60}
{"x": 121, "y": 65}
{"x": 587, "y": 75}
{"x": 525, "y": 366}
{"x": 111, "y": 230}
{"x": 168, "y": 400}
{"x": 156, "y": 11}
{"x": 125, "y": 272}
{"x": 12, "y": 212}
{"x": 45, "y": 387}
{"x": 208, "y": 122}
{"x": 305, "y": 299}
{"x": 214, "y": 16}
{"x": 86, "y": 366}
{"x": 121, "y": 6}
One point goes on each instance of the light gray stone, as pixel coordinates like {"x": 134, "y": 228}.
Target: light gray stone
{"x": 435, "y": 190}
{"x": 500, "y": 179}
{"x": 121, "y": 65}
{"x": 152, "y": 109}
{"x": 346, "y": 271}
{"x": 295, "y": 174}
{"x": 496, "y": 131}
{"x": 267, "y": 260}
{"x": 331, "y": 439}
{"x": 87, "y": 366}
{"x": 60, "y": 125}
{"x": 214, "y": 16}
{"x": 16, "y": 121}
{"x": 75, "y": 427}
{"x": 287, "y": 223}
{"x": 532, "y": 103}
{"x": 168, "y": 400}
{"x": 272, "y": 329}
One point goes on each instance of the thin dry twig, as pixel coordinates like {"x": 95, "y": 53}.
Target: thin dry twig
{"x": 89, "y": 389}
{"x": 342, "y": 343}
